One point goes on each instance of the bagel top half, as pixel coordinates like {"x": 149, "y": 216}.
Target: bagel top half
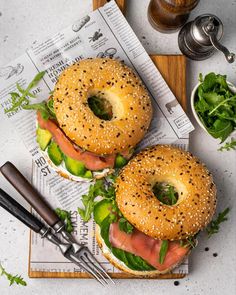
{"x": 118, "y": 84}
{"x": 166, "y": 164}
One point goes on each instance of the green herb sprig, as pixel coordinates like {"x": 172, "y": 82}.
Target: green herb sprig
{"x": 66, "y": 217}
{"x": 214, "y": 226}
{"x": 17, "y": 279}
{"x": 22, "y": 100}
{"x": 163, "y": 251}
{"x": 95, "y": 190}
{"x": 231, "y": 145}
{"x": 103, "y": 189}
{"x": 106, "y": 190}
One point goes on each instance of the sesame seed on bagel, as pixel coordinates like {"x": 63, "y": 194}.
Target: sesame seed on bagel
{"x": 166, "y": 164}
{"x": 121, "y": 87}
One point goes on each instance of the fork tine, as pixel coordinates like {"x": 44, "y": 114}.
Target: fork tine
{"x": 94, "y": 268}
{"x": 88, "y": 269}
{"x": 97, "y": 265}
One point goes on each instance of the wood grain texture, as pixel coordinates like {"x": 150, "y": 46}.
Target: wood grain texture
{"x": 172, "y": 67}
{"x": 173, "y": 70}
{"x": 99, "y": 3}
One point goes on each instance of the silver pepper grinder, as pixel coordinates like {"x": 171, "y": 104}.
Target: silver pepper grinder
{"x": 198, "y": 39}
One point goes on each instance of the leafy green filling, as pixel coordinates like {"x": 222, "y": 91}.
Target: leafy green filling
{"x": 95, "y": 190}
{"x": 104, "y": 188}
{"x": 132, "y": 261}
{"x": 100, "y": 107}
{"x": 215, "y": 105}
{"x": 165, "y": 193}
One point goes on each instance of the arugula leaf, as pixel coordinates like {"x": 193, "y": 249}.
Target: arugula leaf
{"x": 95, "y": 190}
{"x": 100, "y": 107}
{"x": 165, "y": 193}
{"x": 163, "y": 251}
{"x": 213, "y": 98}
{"x": 221, "y": 129}
{"x": 106, "y": 190}
{"x": 215, "y": 105}
{"x": 17, "y": 100}
{"x": 66, "y": 217}
{"x": 214, "y": 226}
{"x": 231, "y": 145}
{"x": 17, "y": 279}
{"x": 189, "y": 242}
{"x": 209, "y": 81}
{"x": 125, "y": 226}
{"x": 42, "y": 107}
{"x": 222, "y": 103}
{"x": 50, "y": 106}
{"x": 200, "y": 78}
{"x": 35, "y": 81}
{"x": 45, "y": 107}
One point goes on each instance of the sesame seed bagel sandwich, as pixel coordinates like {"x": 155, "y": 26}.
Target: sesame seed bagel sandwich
{"x": 98, "y": 112}
{"x": 149, "y": 217}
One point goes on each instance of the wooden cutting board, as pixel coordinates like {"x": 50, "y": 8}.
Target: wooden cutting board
{"x": 173, "y": 69}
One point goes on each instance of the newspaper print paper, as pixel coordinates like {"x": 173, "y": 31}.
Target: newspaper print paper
{"x": 103, "y": 33}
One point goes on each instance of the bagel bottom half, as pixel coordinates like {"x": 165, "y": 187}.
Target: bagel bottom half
{"x": 123, "y": 267}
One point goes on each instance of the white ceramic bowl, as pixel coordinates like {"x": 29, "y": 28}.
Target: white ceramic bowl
{"x": 192, "y": 100}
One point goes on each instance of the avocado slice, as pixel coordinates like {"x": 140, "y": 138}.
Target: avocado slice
{"x": 75, "y": 167}
{"x": 43, "y": 138}
{"x": 101, "y": 211}
{"x": 88, "y": 174}
{"x": 120, "y": 161}
{"x": 54, "y": 153}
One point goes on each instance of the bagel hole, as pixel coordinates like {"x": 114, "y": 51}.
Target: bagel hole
{"x": 101, "y": 107}
{"x": 166, "y": 193}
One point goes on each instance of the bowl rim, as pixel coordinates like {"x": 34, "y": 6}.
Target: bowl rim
{"x": 232, "y": 87}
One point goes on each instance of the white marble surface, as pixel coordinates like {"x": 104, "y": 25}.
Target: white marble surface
{"x": 21, "y": 23}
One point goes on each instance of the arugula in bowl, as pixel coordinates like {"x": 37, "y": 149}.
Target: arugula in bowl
{"x": 215, "y": 105}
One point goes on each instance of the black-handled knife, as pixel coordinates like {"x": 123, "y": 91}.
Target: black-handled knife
{"x": 32, "y": 196}
{"x": 9, "y": 204}
{"x": 17, "y": 210}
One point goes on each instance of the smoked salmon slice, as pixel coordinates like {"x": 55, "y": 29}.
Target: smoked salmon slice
{"x": 146, "y": 247}
{"x": 91, "y": 161}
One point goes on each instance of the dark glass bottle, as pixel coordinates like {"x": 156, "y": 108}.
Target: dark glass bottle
{"x": 169, "y": 15}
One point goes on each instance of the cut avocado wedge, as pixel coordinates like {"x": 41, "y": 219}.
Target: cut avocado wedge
{"x": 101, "y": 210}
{"x": 75, "y": 167}
{"x": 43, "y": 138}
{"x": 120, "y": 161}
{"x": 54, "y": 153}
{"x": 88, "y": 174}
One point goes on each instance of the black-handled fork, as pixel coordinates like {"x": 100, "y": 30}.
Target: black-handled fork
{"x": 14, "y": 208}
{"x": 21, "y": 184}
